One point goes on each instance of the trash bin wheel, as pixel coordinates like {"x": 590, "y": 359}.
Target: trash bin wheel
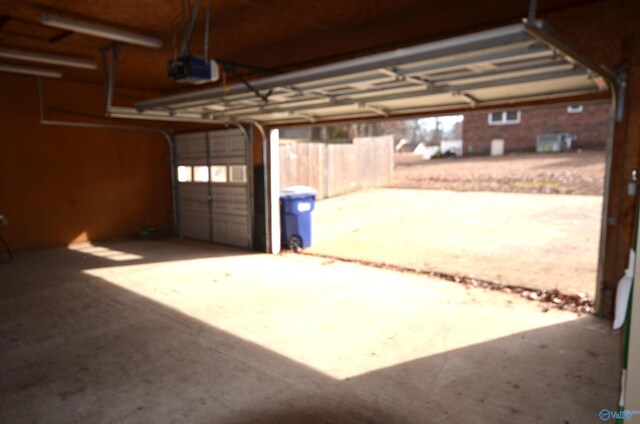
{"x": 295, "y": 244}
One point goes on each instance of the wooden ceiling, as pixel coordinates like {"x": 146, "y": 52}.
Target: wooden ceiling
{"x": 278, "y": 35}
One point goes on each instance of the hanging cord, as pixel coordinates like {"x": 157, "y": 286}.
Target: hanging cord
{"x": 225, "y": 89}
{"x": 264, "y": 97}
{"x": 174, "y": 44}
{"x": 6, "y": 246}
{"x": 187, "y": 36}
{"x": 206, "y": 31}
{"x": 181, "y": 27}
{"x": 183, "y": 14}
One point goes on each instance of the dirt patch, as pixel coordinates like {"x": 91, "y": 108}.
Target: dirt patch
{"x": 554, "y": 173}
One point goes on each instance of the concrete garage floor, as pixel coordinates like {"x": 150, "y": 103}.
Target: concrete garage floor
{"x": 542, "y": 241}
{"x": 177, "y": 331}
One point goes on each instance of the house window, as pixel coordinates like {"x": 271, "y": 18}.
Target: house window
{"x": 184, "y": 174}
{"x": 505, "y": 117}
{"x": 575, "y": 109}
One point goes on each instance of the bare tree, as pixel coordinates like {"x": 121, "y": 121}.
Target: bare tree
{"x": 436, "y": 134}
{"x": 414, "y": 132}
{"x": 456, "y": 131}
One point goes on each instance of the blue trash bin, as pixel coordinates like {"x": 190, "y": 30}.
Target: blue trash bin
{"x": 296, "y": 205}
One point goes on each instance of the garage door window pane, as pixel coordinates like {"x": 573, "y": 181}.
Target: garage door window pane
{"x": 184, "y": 174}
{"x": 201, "y": 174}
{"x": 238, "y": 174}
{"x": 219, "y": 174}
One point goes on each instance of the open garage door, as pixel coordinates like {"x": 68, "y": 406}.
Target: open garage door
{"x": 516, "y": 63}
{"x": 213, "y": 187}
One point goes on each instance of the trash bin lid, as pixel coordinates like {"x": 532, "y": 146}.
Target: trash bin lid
{"x": 297, "y": 190}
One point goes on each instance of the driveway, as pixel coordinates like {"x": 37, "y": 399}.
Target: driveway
{"x": 532, "y": 240}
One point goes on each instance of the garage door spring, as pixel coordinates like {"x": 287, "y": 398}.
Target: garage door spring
{"x": 8, "y": 250}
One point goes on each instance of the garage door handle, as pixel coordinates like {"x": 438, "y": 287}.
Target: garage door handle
{"x": 632, "y": 187}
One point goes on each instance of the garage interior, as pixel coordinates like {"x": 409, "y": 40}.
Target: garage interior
{"x": 100, "y": 143}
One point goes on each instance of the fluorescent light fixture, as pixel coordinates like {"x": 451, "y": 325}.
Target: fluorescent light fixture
{"x": 47, "y": 58}
{"x": 98, "y": 30}
{"x": 39, "y": 72}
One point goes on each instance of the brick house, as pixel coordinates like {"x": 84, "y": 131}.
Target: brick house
{"x": 588, "y": 122}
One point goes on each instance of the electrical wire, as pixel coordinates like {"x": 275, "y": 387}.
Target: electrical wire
{"x": 206, "y": 31}
{"x": 264, "y": 97}
{"x": 188, "y": 7}
{"x": 9, "y": 253}
{"x": 183, "y": 14}
{"x": 187, "y": 36}
{"x": 174, "y": 43}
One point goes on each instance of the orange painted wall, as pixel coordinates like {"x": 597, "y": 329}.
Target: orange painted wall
{"x": 63, "y": 185}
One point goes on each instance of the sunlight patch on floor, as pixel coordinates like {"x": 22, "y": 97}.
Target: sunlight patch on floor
{"x": 103, "y": 252}
{"x": 341, "y": 319}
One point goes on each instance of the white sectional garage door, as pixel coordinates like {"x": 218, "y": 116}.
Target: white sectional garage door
{"x": 214, "y": 202}
{"x": 521, "y": 62}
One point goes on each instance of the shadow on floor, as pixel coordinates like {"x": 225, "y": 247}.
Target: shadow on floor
{"x": 26, "y": 269}
{"x": 76, "y": 348}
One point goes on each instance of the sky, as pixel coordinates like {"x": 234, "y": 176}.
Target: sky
{"x": 447, "y": 122}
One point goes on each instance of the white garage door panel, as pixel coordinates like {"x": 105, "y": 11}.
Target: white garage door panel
{"x": 190, "y": 193}
{"x": 214, "y": 211}
{"x": 194, "y": 211}
{"x": 230, "y": 201}
{"x": 228, "y": 160}
{"x": 229, "y": 145}
{"x": 229, "y": 230}
{"x": 195, "y": 225}
{"x": 191, "y": 149}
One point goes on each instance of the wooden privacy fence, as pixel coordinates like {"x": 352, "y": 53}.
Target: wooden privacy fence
{"x": 334, "y": 169}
